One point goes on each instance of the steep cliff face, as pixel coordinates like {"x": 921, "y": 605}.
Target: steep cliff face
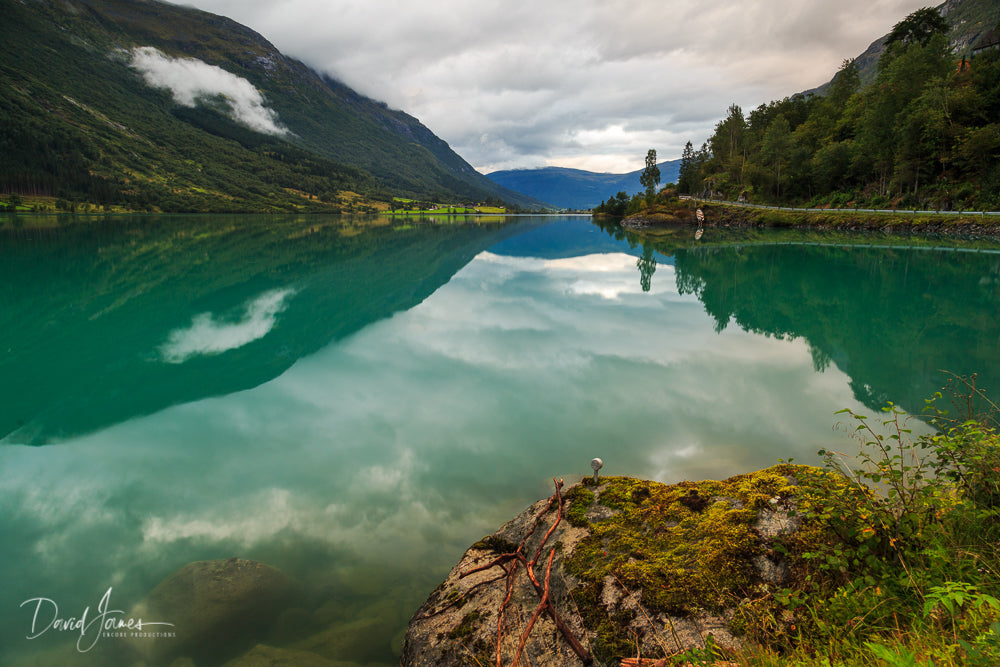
{"x": 615, "y": 570}
{"x": 970, "y": 20}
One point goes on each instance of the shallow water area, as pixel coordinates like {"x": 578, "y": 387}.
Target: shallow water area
{"x": 355, "y": 401}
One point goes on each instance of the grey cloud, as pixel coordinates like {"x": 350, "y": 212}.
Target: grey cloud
{"x": 514, "y": 83}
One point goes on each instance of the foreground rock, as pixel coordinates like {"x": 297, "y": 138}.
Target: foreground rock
{"x": 269, "y": 656}
{"x": 637, "y": 568}
{"x": 216, "y": 607}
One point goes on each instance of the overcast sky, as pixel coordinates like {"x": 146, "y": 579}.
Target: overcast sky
{"x": 590, "y": 84}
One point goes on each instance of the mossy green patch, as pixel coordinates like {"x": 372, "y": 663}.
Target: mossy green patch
{"x": 758, "y": 489}
{"x": 576, "y": 501}
{"x": 610, "y": 635}
{"x": 687, "y": 546}
{"x": 455, "y": 597}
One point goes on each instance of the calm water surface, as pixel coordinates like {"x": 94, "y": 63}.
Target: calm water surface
{"x": 354, "y": 401}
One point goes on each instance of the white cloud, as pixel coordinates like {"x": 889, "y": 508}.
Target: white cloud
{"x": 191, "y": 80}
{"x": 606, "y": 275}
{"x": 208, "y": 335}
{"x": 526, "y": 84}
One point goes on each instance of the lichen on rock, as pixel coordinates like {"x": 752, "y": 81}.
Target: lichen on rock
{"x": 640, "y": 568}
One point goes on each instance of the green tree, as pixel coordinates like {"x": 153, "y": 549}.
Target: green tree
{"x": 733, "y": 128}
{"x": 831, "y": 166}
{"x": 728, "y": 149}
{"x": 918, "y": 28}
{"x": 635, "y": 204}
{"x": 615, "y": 205}
{"x": 686, "y": 175}
{"x": 889, "y": 148}
{"x": 979, "y": 148}
{"x": 776, "y": 146}
{"x": 647, "y": 267}
{"x": 845, "y": 83}
{"x": 650, "y": 175}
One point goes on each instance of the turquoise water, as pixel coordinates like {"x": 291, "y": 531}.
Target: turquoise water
{"x": 354, "y": 403}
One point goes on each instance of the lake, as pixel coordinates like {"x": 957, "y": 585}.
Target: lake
{"x": 354, "y": 401}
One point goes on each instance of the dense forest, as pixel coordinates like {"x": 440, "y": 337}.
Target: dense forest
{"x": 232, "y": 169}
{"x": 924, "y": 134}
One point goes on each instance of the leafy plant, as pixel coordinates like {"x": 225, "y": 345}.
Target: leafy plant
{"x": 897, "y": 657}
{"x": 912, "y": 535}
{"x": 984, "y": 650}
{"x": 954, "y": 595}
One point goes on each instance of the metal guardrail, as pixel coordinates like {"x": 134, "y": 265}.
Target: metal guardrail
{"x": 842, "y": 244}
{"x": 840, "y": 210}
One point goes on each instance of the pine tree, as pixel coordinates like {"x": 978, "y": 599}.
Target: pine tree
{"x": 686, "y": 175}
{"x": 650, "y": 175}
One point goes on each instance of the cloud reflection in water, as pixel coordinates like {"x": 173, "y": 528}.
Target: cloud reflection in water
{"x": 209, "y": 335}
{"x": 391, "y": 450}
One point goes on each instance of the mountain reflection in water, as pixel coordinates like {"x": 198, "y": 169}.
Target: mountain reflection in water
{"x": 355, "y": 405}
{"x": 91, "y": 313}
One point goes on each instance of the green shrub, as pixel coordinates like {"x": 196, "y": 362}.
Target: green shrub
{"x": 903, "y": 556}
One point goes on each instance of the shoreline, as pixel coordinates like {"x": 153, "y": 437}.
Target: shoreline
{"x": 737, "y": 216}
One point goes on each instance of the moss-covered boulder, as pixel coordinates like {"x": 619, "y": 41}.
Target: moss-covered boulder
{"x": 639, "y": 568}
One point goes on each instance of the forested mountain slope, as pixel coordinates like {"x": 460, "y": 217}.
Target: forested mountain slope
{"x": 968, "y": 20}
{"x": 925, "y": 133}
{"x": 151, "y": 105}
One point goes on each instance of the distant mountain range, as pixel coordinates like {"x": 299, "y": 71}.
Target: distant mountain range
{"x": 148, "y": 105}
{"x": 575, "y": 188}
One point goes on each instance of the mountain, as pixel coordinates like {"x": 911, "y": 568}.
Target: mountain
{"x": 970, "y": 20}
{"x": 143, "y": 104}
{"x": 575, "y": 188}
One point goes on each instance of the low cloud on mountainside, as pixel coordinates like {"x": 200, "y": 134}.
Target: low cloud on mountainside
{"x": 191, "y": 80}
